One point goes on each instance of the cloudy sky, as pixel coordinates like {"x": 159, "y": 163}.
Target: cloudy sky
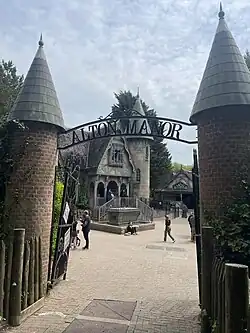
{"x": 97, "y": 47}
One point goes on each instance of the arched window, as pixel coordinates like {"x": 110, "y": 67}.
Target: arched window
{"x": 147, "y": 153}
{"x": 138, "y": 175}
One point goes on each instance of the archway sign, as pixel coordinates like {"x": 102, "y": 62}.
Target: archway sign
{"x": 165, "y": 128}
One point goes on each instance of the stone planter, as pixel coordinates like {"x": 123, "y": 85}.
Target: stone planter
{"x": 122, "y": 216}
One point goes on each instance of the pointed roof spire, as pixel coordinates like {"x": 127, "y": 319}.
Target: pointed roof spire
{"x": 137, "y": 108}
{"x": 221, "y": 13}
{"x": 37, "y": 100}
{"x": 138, "y": 92}
{"x": 141, "y": 123}
{"x": 41, "y": 43}
{"x": 226, "y": 79}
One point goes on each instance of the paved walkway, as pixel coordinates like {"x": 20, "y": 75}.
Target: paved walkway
{"x": 124, "y": 284}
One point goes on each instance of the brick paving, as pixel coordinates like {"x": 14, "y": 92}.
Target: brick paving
{"x": 160, "y": 277}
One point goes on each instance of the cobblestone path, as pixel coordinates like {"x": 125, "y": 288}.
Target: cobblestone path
{"x": 134, "y": 284}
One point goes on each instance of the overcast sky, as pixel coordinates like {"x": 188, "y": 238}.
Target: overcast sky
{"x": 97, "y": 47}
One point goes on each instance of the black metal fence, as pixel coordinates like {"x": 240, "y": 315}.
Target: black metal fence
{"x": 59, "y": 257}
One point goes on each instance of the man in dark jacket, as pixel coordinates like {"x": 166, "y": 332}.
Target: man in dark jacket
{"x": 191, "y": 221}
{"x": 86, "y": 228}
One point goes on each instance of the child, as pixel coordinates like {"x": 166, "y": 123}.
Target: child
{"x": 75, "y": 240}
{"x": 167, "y": 230}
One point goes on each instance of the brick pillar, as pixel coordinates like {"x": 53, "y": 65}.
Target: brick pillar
{"x": 30, "y": 189}
{"x": 224, "y": 156}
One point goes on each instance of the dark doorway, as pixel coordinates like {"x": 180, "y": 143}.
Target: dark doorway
{"x": 188, "y": 200}
{"x": 113, "y": 188}
{"x": 123, "y": 191}
{"x": 100, "y": 190}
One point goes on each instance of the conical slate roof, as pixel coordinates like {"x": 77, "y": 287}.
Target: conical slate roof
{"x": 37, "y": 100}
{"x": 138, "y": 111}
{"x": 226, "y": 80}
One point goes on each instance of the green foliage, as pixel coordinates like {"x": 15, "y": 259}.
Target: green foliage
{"x": 160, "y": 161}
{"x": 10, "y": 85}
{"x": 247, "y": 59}
{"x": 178, "y": 166}
{"x": 57, "y": 210}
{"x": 232, "y": 231}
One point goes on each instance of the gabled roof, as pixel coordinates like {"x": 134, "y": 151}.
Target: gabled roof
{"x": 97, "y": 148}
{"x": 226, "y": 79}
{"x": 37, "y": 100}
{"x": 181, "y": 177}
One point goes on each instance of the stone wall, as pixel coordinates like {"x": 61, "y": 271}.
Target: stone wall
{"x": 30, "y": 190}
{"x": 224, "y": 156}
{"x": 137, "y": 148}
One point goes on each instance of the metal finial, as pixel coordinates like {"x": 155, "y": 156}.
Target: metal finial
{"x": 41, "y": 43}
{"x": 221, "y": 13}
{"x": 138, "y": 92}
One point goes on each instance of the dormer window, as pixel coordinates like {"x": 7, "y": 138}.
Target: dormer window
{"x": 116, "y": 155}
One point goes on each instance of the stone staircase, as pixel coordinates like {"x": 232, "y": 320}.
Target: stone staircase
{"x": 146, "y": 213}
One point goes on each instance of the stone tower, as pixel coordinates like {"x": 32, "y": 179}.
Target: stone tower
{"x": 29, "y": 193}
{"x": 222, "y": 114}
{"x": 139, "y": 147}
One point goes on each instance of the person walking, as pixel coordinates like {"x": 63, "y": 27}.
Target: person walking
{"x": 167, "y": 230}
{"x": 191, "y": 221}
{"x": 86, "y": 228}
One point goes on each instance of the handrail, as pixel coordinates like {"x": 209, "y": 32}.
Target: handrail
{"x": 146, "y": 212}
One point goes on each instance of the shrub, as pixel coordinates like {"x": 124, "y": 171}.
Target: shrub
{"x": 57, "y": 210}
{"x": 232, "y": 231}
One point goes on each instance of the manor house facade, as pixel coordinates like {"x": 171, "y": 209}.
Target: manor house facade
{"x": 120, "y": 165}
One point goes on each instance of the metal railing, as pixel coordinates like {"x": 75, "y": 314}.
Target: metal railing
{"x": 146, "y": 212}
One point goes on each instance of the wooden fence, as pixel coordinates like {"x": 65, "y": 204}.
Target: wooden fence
{"x": 20, "y": 276}
{"x": 225, "y": 291}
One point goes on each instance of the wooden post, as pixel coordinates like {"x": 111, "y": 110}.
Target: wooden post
{"x": 26, "y": 275}
{"x": 236, "y": 298}
{"x": 7, "y": 279}
{"x": 31, "y": 273}
{"x": 36, "y": 273}
{"x": 206, "y": 268}
{"x": 16, "y": 278}
{"x": 2, "y": 275}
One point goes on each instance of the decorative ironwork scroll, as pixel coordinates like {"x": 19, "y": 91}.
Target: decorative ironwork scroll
{"x": 140, "y": 126}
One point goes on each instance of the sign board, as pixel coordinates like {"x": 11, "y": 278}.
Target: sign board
{"x": 66, "y": 212}
{"x": 66, "y": 240}
{"x": 134, "y": 126}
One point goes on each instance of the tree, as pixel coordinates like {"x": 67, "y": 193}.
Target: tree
{"x": 10, "y": 85}
{"x": 160, "y": 162}
{"x": 247, "y": 58}
{"x": 178, "y": 166}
